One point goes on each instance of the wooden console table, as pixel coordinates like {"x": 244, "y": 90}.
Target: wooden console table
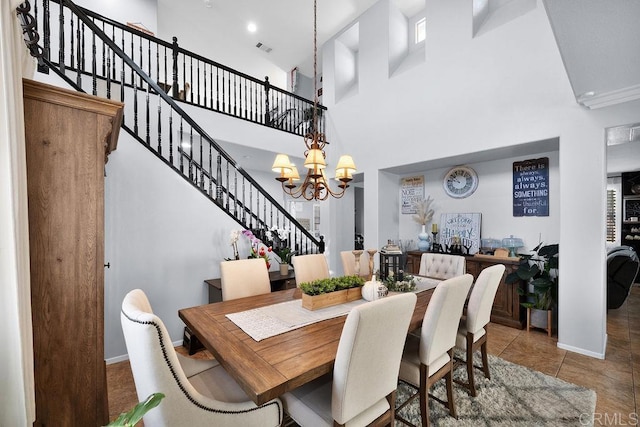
{"x": 278, "y": 283}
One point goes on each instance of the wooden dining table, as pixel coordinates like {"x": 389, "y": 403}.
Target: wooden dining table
{"x": 273, "y": 366}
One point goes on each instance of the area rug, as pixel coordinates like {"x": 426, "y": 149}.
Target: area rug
{"x": 515, "y": 396}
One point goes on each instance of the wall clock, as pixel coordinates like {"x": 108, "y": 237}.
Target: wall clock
{"x": 460, "y": 182}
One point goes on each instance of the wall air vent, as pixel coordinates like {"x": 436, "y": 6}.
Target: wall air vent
{"x": 263, "y": 48}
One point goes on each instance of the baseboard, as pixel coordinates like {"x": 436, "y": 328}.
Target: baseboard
{"x": 124, "y": 357}
{"x": 586, "y": 352}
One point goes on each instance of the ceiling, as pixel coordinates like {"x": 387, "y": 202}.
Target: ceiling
{"x": 286, "y": 26}
{"x": 599, "y": 42}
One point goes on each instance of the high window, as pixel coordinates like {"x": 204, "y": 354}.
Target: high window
{"x": 420, "y": 31}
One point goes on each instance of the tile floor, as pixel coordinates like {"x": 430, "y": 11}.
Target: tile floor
{"x": 616, "y": 379}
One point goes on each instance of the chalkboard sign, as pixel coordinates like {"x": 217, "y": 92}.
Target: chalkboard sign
{"x": 531, "y": 187}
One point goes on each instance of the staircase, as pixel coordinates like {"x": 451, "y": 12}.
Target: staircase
{"x": 152, "y": 77}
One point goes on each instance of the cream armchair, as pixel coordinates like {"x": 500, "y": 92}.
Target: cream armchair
{"x": 197, "y": 392}
{"x": 442, "y": 266}
{"x": 349, "y": 264}
{"x": 310, "y": 267}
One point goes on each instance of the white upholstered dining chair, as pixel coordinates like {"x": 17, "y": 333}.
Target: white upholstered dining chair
{"x": 197, "y": 392}
{"x": 365, "y": 374}
{"x": 244, "y": 278}
{"x": 349, "y": 264}
{"x": 472, "y": 332}
{"x": 441, "y": 266}
{"x": 310, "y": 267}
{"x": 429, "y": 358}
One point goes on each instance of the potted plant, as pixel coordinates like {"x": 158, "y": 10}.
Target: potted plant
{"x": 540, "y": 271}
{"x": 331, "y": 291}
{"x": 284, "y": 253}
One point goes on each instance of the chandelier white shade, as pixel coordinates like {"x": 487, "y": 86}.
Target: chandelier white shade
{"x": 315, "y": 185}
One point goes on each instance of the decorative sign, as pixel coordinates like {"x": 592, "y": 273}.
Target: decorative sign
{"x": 531, "y": 187}
{"x": 466, "y": 226}
{"x": 412, "y": 189}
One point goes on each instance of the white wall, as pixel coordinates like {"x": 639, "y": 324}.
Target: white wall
{"x": 123, "y": 11}
{"x": 503, "y": 88}
{"x": 494, "y": 200}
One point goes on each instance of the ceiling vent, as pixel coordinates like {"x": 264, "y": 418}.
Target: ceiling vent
{"x": 263, "y": 47}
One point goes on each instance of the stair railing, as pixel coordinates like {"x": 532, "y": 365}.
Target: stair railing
{"x": 196, "y": 80}
{"x": 155, "y": 120}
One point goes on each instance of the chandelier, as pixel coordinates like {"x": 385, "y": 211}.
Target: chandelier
{"x": 315, "y": 185}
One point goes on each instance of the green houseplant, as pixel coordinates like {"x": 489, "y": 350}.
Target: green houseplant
{"x": 131, "y": 418}
{"x": 540, "y": 271}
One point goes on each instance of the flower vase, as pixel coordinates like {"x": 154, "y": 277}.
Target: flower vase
{"x": 423, "y": 240}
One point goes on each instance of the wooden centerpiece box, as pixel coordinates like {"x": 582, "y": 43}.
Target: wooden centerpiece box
{"x": 331, "y": 291}
{"x": 315, "y": 302}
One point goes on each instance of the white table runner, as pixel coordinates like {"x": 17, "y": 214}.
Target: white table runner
{"x": 265, "y": 322}
{"x": 276, "y": 319}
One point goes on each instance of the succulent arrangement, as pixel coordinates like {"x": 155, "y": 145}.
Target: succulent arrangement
{"x": 402, "y": 283}
{"x": 331, "y": 284}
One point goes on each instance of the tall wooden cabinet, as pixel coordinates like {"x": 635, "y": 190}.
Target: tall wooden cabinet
{"x": 68, "y": 136}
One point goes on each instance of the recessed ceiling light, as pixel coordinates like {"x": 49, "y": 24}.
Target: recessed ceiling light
{"x": 251, "y": 27}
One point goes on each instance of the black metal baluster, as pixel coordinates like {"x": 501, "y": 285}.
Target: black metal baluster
{"x": 235, "y": 97}
{"x": 265, "y": 116}
{"x": 180, "y": 147}
{"x": 204, "y": 80}
{"x": 158, "y": 62}
{"x": 246, "y": 115}
{"x": 223, "y": 93}
{"x": 201, "y": 165}
{"x": 229, "y": 92}
{"x": 46, "y": 28}
{"x": 191, "y": 153}
{"x": 71, "y": 40}
{"x": 219, "y": 180}
{"x": 211, "y": 87}
{"x": 159, "y": 124}
{"x": 135, "y": 110}
{"x": 198, "y": 80}
{"x": 191, "y": 80}
{"x": 250, "y": 206}
{"x": 171, "y": 136}
{"x": 149, "y": 58}
{"x": 148, "y": 117}
{"x": 210, "y": 169}
{"x": 103, "y": 53}
{"x": 108, "y": 77}
{"x": 217, "y": 88}
{"x": 184, "y": 76}
{"x": 166, "y": 80}
{"x": 235, "y": 192}
{"x": 94, "y": 65}
{"x": 61, "y": 64}
{"x": 122, "y": 89}
{"x": 113, "y": 53}
{"x": 227, "y": 185}
{"x": 141, "y": 64}
{"x": 253, "y": 112}
{"x": 78, "y": 55}
{"x": 133, "y": 80}
{"x": 175, "y": 68}
{"x": 244, "y": 206}
{"x": 82, "y": 51}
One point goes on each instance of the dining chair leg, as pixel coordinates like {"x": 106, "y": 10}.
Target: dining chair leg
{"x": 424, "y": 395}
{"x": 451, "y": 404}
{"x": 472, "y": 384}
{"x": 485, "y": 360}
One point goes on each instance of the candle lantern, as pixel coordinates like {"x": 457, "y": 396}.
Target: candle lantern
{"x": 389, "y": 264}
